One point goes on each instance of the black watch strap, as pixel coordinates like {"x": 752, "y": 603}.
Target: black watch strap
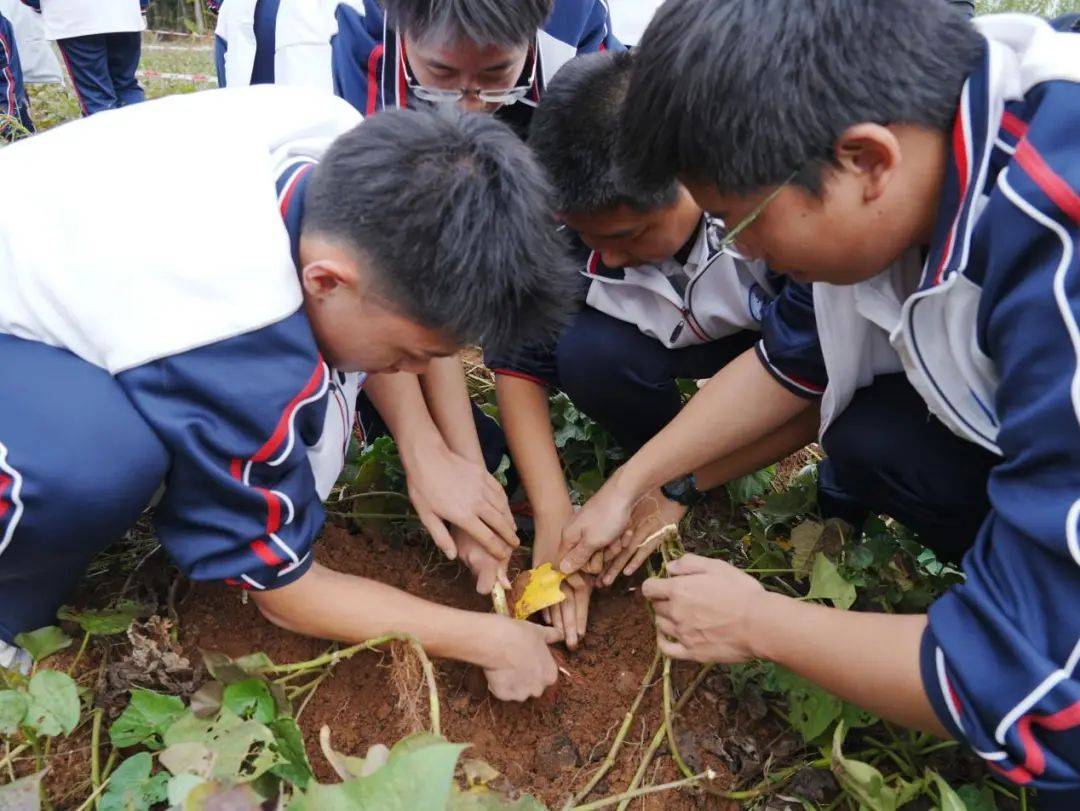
{"x": 683, "y": 491}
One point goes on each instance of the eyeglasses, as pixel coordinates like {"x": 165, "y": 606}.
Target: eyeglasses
{"x": 728, "y": 236}
{"x": 501, "y": 96}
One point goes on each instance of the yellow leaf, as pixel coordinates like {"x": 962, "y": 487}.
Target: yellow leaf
{"x": 536, "y": 589}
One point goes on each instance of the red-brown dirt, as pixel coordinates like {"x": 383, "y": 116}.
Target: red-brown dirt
{"x": 548, "y": 747}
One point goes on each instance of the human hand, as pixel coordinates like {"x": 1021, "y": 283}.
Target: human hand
{"x": 571, "y": 616}
{"x": 487, "y": 568}
{"x": 447, "y": 487}
{"x": 651, "y": 514}
{"x": 597, "y": 525}
{"x": 703, "y": 610}
{"x": 521, "y": 665}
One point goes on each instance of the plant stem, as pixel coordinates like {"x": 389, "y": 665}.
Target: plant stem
{"x": 79, "y": 655}
{"x": 616, "y": 745}
{"x": 9, "y": 758}
{"x": 95, "y": 753}
{"x": 370, "y": 494}
{"x": 928, "y": 750}
{"x": 669, "y": 725}
{"x": 336, "y": 656}
{"x": 1023, "y": 799}
{"x": 658, "y": 737}
{"x": 312, "y": 687}
{"x": 627, "y": 796}
{"x": 92, "y": 799}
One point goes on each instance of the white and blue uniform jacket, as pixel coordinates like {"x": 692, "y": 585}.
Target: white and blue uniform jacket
{"x": 986, "y": 326}
{"x": 204, "y": 330}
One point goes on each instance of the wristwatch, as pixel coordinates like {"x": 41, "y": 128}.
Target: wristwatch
{"x": 683, "y": 491}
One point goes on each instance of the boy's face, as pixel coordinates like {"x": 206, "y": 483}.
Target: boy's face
{"x": 625, "y": 237}
{"x": 877, "y": 201}
{"x": 356, "y": 330}
{"x": 464, "y": 65}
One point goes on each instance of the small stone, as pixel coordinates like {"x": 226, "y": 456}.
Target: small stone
{"x": 556, "y": 755}
{"x": 626, "y": 684}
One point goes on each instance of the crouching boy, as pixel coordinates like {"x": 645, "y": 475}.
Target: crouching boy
{"x": 932, "y": 198}
{"x": 224, "y": 364}
{"x": 664, "y": 301}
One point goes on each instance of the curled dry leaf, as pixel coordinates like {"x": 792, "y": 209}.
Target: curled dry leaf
{"x": 536, "y": 589}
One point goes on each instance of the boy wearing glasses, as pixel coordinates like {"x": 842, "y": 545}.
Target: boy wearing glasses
{"x": 664, "y": 301}
{"x": 934, "y": 206}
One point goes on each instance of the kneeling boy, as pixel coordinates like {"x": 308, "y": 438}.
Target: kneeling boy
{"x": 224, "y": 364}
{"x": 932, "y": 198}
{"x": 664, "y": 301}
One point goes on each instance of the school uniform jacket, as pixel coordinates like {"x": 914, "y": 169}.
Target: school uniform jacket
{"x": 13, "y": 101}
{"x": 203, "y": 329}
{"x": 39, "y": 63}
{"x": 77, "y": 18}
{"x": 986, "y": 327}
{"x": 350, "y": 45}
{"x": 722, "y": 296}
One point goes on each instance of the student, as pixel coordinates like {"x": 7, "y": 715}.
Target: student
{"x": 101, "y": 44}
{"x": 455, "y": 44}
{"x": 39, "y": 63}
{"x": 952, "y": 165}
{"x": 220, "y": 364}
{"x": 663, "y": 302}
{"x": 13, "y": 101}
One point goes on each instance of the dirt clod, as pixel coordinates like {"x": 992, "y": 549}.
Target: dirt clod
{"x": 556, "y": 755}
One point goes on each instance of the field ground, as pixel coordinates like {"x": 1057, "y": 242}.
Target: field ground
{"x": 770, "y": 737}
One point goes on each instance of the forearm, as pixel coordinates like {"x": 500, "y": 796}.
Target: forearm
{"x": 869, "y": 659}
{"x": 447, "y": 397}
{"x": 738, "y": 406}
{"x": 523, "y": 407}
{"x": 400, "y": 403}
{"x": 795, "y": 434}
{"x": 331, "y": 605}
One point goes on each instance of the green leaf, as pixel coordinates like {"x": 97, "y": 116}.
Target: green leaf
{"x": 13, "y": 706}
{"x": 861, "y": 780}
{"x": 811, "y": 710}
{"x": 54, "y": 703}
{"x": 492, "y": 801}
{"x": 23, "y": 794}
{"x": 102, "y": 623}
{"x": 242, "y": 749}
{"x": 250, "y": 699}
{"x": 781, "y": 507}
{"x": 856, "y": 718}
{"x": 500, "y": 471}
{"x": 420, "y": 778}
{"x": 223, "y": 797}
{"x": 180, "y": 787}
{"x": 228, "y": 670}
{"x": 43, "y": 642}
{"x": 805, "y": 541}
{"x": 145, "y": 719}
{"x": 288, "y": 743}
{"x": 754, "y": 485}
{"x": 949, "y": 799}
{"x": 131, "y": 788}
{"x": 189, "y": 757}
{"x": 826, "y": 583}
{"x": 977, "y": 799}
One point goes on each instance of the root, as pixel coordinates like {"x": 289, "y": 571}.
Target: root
{"x": 407, "y": 677}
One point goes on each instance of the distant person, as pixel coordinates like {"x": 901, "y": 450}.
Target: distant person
{"x": 39, "y": 63}
{"x": 14, "y": 107}
{"x": 101, "y": 44}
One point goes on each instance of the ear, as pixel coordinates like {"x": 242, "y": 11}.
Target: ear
{"x": 322, "y": 278}
{"x": 872, "y": 152}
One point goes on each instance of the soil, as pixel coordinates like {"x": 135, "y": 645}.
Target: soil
{"x": 547, "y": 747}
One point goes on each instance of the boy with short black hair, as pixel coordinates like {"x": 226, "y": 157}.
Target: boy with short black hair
{"x": 664, "y": 302}
{"x": 224, "y": 365}
{"x": 925, "y": 178}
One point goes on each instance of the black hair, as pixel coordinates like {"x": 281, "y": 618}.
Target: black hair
{"x": 453, "y": 216}
{"x": 485, "y": 22}
{"x": 574, "y": 133}
{"x": 743, "y": 93}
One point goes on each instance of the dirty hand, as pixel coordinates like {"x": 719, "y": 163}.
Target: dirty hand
{"x": 487, "y": 568}
{"x": 521, "y": 665}
{"x": 571, "y": 615}
{"x": 597, "y": 525}
{"x": 703, "y": 610}
{"x": 447, "y": 487}
{"x": 651, "y": 514}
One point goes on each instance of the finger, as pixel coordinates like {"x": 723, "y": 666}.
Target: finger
{"x": 613, "y": 569}
{"x": 483, "y": 535}
{"x": 550, "y": 635}
{"x": 578, "y": 553}
{"x": 568, "y": 608}
{"x": 675, "y": 650}
{"x": 498, "y": 498}
{"x": 502, "y": 525}
{"x": 439, "y": 534}
{"x": 545, "y": 615}
{"x": 689, "y": 564}
{"x": 582, "y": 610}
{"x": 640, "y": 556}
{"x": 596, "y": 563}
{"x": 504, "y": 578}
{"x": 666, "y": 627}
{"x": 557, "y": 622}
{"x": 484, "y": 581}
{"x": 657, "y": 588}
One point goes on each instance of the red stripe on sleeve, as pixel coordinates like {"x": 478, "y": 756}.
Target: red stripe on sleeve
{"x": 265, "y": 553}
{"x": 282, "y": 429}
{"x": 373, "y": 78}
{"x": 1052, "y": 185}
